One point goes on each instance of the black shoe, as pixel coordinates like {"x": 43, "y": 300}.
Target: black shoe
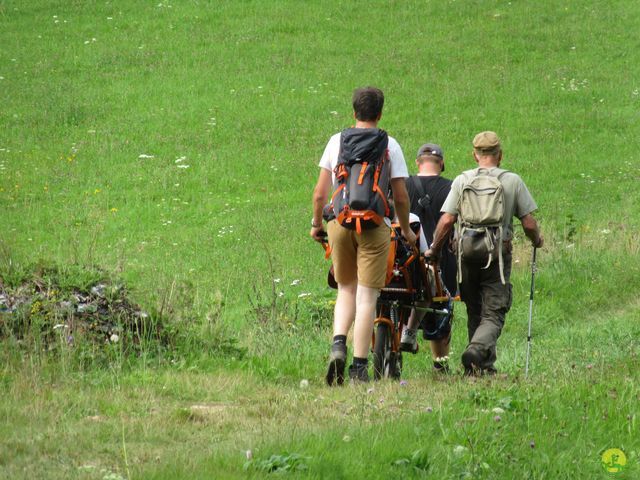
{"x": 471, "y": 360}
{"x": 441, "y": 368}
{"x": 337, "y": 362}
{"x": 359, "y": 373}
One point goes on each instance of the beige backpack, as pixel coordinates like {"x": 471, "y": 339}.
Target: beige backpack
{"x": 481, "y": 215}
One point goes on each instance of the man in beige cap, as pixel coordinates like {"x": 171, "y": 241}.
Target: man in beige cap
{"x": 484, "y": 283}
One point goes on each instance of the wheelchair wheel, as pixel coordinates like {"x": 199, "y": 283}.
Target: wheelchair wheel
{"x": 386, "y": 362}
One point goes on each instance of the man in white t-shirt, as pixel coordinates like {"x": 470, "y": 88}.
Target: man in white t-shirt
{"x": 359, "y": 259}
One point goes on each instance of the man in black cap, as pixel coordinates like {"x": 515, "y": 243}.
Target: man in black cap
{"x": 427, "y": 192}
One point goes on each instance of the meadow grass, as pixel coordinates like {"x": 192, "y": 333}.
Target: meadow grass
{"x": 175, "y": 145}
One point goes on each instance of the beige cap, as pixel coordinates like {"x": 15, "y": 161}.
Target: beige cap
{"x": 486, "y": 141}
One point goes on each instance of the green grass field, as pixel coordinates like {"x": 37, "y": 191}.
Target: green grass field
{"x": 174, "y": 146}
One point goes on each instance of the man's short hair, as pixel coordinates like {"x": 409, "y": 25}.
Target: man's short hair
{"x": 368, "y": 103}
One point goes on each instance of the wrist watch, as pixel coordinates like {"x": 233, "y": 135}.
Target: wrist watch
{"x": 315, "y": 225}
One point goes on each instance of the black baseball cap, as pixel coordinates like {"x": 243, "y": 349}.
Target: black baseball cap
{"x": 431, "y": 149}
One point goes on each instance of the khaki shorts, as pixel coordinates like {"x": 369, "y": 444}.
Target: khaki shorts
{"x": 361, "y": 257}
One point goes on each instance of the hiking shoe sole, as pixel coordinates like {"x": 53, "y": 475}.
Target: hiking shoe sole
{"x": 409, "y": 347}
{"x": 335, "y": 372}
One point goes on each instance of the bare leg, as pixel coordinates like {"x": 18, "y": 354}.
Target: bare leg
{"x": 345, "y": 309}
{"x": 440, "y": 348}
{"x": 415, "y": 318}
{"x": 366, "y": 298}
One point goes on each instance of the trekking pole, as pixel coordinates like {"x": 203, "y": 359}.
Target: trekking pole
{"x": 533, "y": 272}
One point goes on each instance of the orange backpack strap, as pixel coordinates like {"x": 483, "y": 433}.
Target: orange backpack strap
{"x": 384, "y": 199}
{"x": 362, "y": 172}
{"x": 391, "y": 258}
{"x": 327, "y": 250}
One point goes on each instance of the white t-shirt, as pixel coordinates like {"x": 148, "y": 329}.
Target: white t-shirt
{"x": 329, "y": 158}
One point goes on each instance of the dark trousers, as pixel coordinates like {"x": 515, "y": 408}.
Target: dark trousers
{"x": 487, "y": 301}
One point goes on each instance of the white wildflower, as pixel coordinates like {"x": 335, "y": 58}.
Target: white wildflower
{"x": 114, "y": 338}
{"x": 459, "y": 450}
{"x": 295, "y": 282}
{"x": 498, "y": 410}
{"x": 304, "y": 294}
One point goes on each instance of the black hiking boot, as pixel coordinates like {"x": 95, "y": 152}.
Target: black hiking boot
{"x": 337, "y": 361}
{"x": 471, "y": 360}
{"x": 441, "y": 368}
{"x": 359, "y": 374}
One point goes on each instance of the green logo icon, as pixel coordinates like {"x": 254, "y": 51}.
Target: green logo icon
{"x": 614, "y": 460}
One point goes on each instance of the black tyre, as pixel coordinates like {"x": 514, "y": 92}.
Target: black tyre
{"x": 386, "y": 363}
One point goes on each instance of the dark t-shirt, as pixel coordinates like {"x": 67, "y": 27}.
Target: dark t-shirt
{"x": 437, "y": 188}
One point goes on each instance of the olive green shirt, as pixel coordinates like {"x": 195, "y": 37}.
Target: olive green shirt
{"x": 518, "y": 201}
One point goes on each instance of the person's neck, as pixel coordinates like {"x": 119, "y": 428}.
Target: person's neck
{"x": 428, "y": 174}
{"x": 489, "y": 163}
{"x": 366, "y": 124}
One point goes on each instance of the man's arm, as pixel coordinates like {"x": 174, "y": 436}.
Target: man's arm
{"x": 443, "y": 229}
{"x": 532, "y": 231}
{"x": 401, "y": 203}
{"x": 320, "y": 197}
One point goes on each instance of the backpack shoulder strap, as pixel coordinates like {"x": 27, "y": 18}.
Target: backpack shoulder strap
{"x": 415, "y": 180}
{"x": 498, "y": 172}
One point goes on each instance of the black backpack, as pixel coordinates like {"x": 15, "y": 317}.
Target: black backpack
{"x": 361, "y": 186}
